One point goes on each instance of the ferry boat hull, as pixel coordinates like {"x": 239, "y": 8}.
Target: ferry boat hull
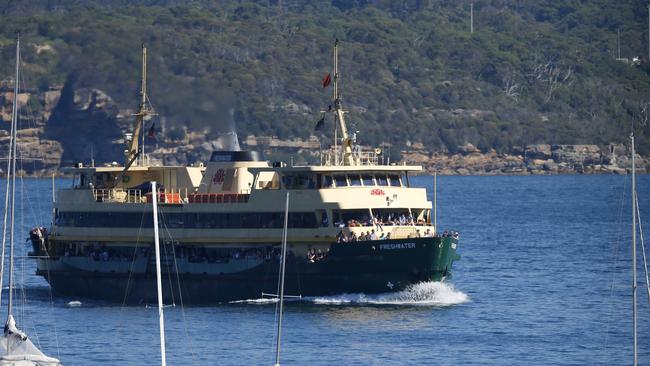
{"x": 374, "y": 266}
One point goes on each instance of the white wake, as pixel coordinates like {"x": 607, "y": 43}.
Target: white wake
{"x": 424, "y": 293}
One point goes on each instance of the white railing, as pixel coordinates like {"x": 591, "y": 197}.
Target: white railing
{"x": 335, "y": 157}
{"x": 118, "y": 195}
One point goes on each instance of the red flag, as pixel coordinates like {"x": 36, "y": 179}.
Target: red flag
{"x": 327, "y": 80}
{"x": 152, "y": 131}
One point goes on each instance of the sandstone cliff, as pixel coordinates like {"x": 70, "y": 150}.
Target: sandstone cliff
{"x": 64, "y": 125}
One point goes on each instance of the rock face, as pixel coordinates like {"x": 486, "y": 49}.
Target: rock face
{"x": 539, "y": 151}
{"x": 54, "y": 126}
{"x": 533, "y": 159}
{"x": 70, "y": 125}
{"x": 577, "y": 154}
{"x": 81, "y": 117}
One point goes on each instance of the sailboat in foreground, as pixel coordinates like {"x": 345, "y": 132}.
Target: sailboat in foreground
{"x": 16, "y": 349}
{"x": 161, "y": 315}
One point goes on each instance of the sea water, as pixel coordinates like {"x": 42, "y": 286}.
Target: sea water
{"x": 544, "y": 279}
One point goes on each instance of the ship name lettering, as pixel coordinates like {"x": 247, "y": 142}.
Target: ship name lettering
{"x": 392, "y": 246}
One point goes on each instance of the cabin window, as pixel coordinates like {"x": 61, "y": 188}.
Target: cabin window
{"x": 419, "y": 215}
{"x": 394, "y": 180}
{"x": 324, "y": 220}
{"x": 234, "y": 220}
{"x": 355, "y": 179}
{"x": 267, "y": 180}
{"x": 340, "y": 181}
{"x": 382, "y": 180}
{"x": 351, "y": 218}
{"x": 368, "y": 180}
{"x": 327, "y": 181}
{"x": 396, "y": 216}
{"x": 299, "y": 181}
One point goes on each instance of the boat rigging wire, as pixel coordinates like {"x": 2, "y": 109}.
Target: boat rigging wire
{"x": 178, "y": 282}
{"x": 610, "y": 312}
{"x": 27, "y": 205}
{"x": 645, "y": 260}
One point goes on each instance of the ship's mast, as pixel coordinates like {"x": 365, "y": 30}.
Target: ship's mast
{"x": 346, "y": 141}
{"x": 138, "y": 126}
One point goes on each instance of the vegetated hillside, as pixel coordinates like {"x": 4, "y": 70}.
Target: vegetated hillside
{"x": 532, "y": 72}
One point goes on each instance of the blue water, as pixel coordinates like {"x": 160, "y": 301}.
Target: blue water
{"x": 544, "y": 279}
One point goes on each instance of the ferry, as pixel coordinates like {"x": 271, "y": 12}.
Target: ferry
{"x": 355, "y": 225}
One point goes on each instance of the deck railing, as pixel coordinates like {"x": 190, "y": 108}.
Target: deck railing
{"x": 335, "y": 157}
{"x": 118, "y": 195}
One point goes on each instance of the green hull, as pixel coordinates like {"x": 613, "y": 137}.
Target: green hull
{"x": 360, "y": 267}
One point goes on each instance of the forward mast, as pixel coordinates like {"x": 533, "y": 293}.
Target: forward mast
{"x": 346, "y": 141}
{"x": 134, "y": 151}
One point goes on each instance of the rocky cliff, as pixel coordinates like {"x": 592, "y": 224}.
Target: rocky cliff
{"x": 533, "y": 159}
{"x": 64, "y": 125}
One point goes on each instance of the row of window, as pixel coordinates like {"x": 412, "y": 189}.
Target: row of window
{"x": 307, "y": 181}
{"x": 356, "y": 180}
{"x": 233, "y": 220}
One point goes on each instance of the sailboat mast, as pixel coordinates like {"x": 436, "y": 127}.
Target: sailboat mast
{"x": 282, "y": 269}
{"x": 14, "y": 126}
{"x": 161, "y": 315}
{"x": 634, "y": 322}
{"x": 8, "y": 186}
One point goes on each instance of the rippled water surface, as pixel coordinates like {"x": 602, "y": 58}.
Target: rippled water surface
{"x": 544, "y": 279}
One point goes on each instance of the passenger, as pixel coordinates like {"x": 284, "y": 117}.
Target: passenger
{"x": 388, "y": 236}
{"x": 311, "y": 255}
{"x": 379, "y": 223}
{"x": 373, "y": 235}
